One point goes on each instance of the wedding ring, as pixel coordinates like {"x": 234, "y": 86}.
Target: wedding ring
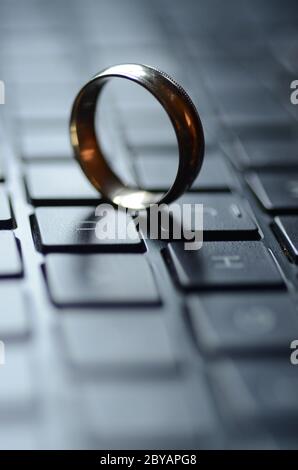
{"x": 184, "y": 118}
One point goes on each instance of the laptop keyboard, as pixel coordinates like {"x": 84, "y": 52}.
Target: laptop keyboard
{"x": 137, "y": 343}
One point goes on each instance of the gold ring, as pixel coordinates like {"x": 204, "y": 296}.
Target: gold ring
{"x": 184, "y": 118}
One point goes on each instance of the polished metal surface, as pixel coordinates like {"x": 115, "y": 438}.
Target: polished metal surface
{"x": 182, "y": 113}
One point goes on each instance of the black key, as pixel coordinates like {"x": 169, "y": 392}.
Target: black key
{"x": 6, "y": 218}
{"x": 223, "y": 265}
{"x": 214, "y": 133}
{"x": 159, "y": 174}
{"x": 150, "y": 153}
{"x": 158, "y": 137}
{"x": 263, "y": 390}
{"x": 157, "y": 413}
{"x": 101, "y": 279}
{"x": 58, "y": 229}
{"x": 222, "y": 74}
{"x": 250, "y": 106}
{"x": 224, "y": 218}
{"x": 10, "y": 262}
{"x": 278, "y": 193}
{"x": 46, "y": 143}
{"x": 17, "y": 391}
{"x": 271, "y": 153}
{"x": 62, "y": 183}
{"x": 14, "y": 322}
{"x": 118, "y": 339}
{"x": 47, "y": 97}
{"x": 149, "y": 129}
{"x": 242, "y": 324}
{"x": 286, "y": 228}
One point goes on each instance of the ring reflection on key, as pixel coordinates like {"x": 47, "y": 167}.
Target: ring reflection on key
{"x": 183, "y": 116}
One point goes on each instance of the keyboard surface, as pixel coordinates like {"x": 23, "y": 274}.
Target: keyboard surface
{"x": 137, "y": 343}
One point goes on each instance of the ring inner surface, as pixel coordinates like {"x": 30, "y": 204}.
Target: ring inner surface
{"x": 92, "y": 158}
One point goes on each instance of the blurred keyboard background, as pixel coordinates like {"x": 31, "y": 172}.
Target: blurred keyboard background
{"x": 140, "y": 344}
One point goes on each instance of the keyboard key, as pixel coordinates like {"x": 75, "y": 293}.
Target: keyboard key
{"x": 242, "y": 324}
{"x": 159, "y": 173}
{"x": 250, "y": 106}
{"x": 223, "y": 74}
{"x": 46, "y": 144}
{"x": 276, "y": 192}
{"x": 214, "y": 133}
{"x": 63, "y": 183}
{"x": 16, "y": 391}
{"x": 149, "y": 129}
{"x": 149, "y": 414}
{"x": 74, "y": 229}
{"x": 224, "y": 265}
{"x": 112, "y": 340}
{"x": 6, "y": 219}
{"x": 261, "y": 390}
{"x": 271, "y": 153}
{"x": 224, "y": 218}
{"x": 10, "y": 262}
{"x": 167, "y": 155}
{"x": 100, "y": 279}
{"x": 13, "y": 316}
{"x": 286, "y": 229}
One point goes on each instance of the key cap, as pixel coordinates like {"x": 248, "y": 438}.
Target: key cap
{"x": 242, "y": 324}
{"x": 249, "y": 390}
{"x": 63, "y": 183}
{"x": 241, "y": 107}
{"x": 156, "y": 413}
{"x": 6, "y": 219}
{"x": 263, "y": 134}
{"x": 74, "y": 229}
{"x": 10, "y": 262}
{"x": 45, "y": 139}
{"x": 222, "y": 74}
{"x": 224, "y": 265}
{"x": 224, "y": 218}
{"x": 286, "y": 229}
{"x": 149, "y": 129}
{"x": 214, "y": 133}
{"x": 152, "y": 118}
{"x": 271, "y": 153}
{"x": 276, "y": 192}
{"x": 159, "y": 174}
{"x": 113, "y": 340}
{"x": 46, "y": 144}
{"x": 13, "y": 316}
{"x": 100, "y": 279}
{"x": 16, "y": 391}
